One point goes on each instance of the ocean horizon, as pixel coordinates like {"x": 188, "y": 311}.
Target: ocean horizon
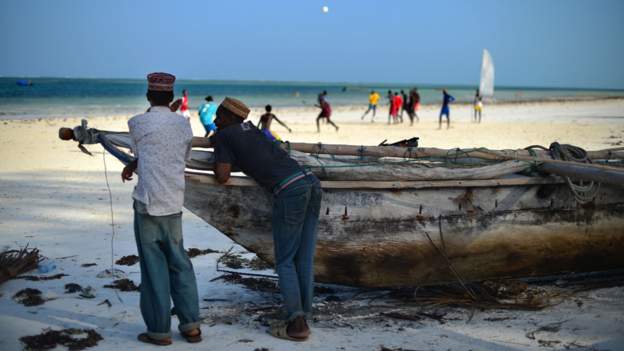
{"x": 90, "y": 97}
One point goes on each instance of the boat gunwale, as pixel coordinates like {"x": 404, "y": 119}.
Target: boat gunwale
{"x": 240, "y": 181}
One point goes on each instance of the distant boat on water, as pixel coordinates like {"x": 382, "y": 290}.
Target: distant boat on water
{"x": 486, "y": 86}
{"x": 24, "y": 82}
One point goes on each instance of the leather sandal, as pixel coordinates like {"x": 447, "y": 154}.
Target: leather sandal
{"x": 192, "y": 338}
{"x": 144, "y": 337}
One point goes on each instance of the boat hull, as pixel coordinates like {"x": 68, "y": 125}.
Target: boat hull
{"x": 403, "y": 237}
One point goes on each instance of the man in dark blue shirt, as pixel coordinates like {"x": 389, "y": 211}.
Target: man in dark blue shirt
{"x": 296, "y": 206}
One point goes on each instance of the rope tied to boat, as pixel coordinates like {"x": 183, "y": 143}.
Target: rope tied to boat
{"x": 361, "y": 151}
{"x": 583, "y": 193}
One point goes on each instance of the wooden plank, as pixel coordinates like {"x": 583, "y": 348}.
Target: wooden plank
{"x": 246, "y": 182}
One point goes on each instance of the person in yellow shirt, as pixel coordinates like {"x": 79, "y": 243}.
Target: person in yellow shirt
{"x": 373, "y": 99}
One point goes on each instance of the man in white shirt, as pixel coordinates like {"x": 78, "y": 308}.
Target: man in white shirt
{"x": 161, "y": 141}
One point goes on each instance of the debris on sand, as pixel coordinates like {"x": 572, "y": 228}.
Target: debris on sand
{"x": 29, "y": 297}
{"x": 383, "y": 348}
{"x": 41, "y": 277}
{"x": 129, "y": 260}
{"x": 105, "y": 302}
{"x": 417, "y": 316}
{"x": 90, "y": 264}
{"x": 194, "y": 252}
{"x": 257, "y": 284}
{"x": 73, "y": 339}
{"x": 234, "y": 261}
{"x": 16, "y": 262}
{"x": 72, "y": 288}
{"x": 257, "y": 264}
{"x": 123, "y": 285}
{"x": 88, "y": 293}
{"x": 548, "y": 328}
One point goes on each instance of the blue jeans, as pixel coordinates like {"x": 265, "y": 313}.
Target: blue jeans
{"x": 295, "y": 220}
{"x": 166, "y": 273}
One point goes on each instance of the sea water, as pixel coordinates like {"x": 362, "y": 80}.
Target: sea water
{"x": 64, "y": 97}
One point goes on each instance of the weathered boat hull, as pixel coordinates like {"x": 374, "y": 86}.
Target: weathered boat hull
{"x": 378, "y": 237}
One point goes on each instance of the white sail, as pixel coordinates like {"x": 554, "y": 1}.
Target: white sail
{"x": 486, "y": 87}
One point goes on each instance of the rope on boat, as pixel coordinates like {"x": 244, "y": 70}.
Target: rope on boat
{"x": 583, "y": 193}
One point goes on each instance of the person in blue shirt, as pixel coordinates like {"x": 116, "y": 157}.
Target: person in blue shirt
{"x": 206, "y": 113}
{"x": 445, "y": 111}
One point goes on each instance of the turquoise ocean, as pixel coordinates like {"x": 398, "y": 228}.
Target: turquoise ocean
{"x": 65, "y": 97}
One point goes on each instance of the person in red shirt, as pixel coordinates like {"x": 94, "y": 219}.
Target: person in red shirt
{"x": 397, "y": 104}
{"x": 184, "y": 107}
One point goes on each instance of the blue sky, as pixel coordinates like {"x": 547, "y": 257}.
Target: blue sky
{"x": 548, "y": 43}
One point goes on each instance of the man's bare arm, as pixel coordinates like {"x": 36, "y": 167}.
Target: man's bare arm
{"x": 222, "y": 171}
{"x": 282, "y": 123}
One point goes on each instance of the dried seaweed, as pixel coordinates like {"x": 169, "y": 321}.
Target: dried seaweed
{"x": 72, "y": 288}
{"x": 42, "y": 277}
{"x": 73, "y": 339}
{"x": 129, "y": 260}
{"x": 123, "y": 285}
{"x": 194, "y": 252}
{"x": 257, "y": 284}
{"x": 29, "y": 297}
{"x": 16, "y": 262}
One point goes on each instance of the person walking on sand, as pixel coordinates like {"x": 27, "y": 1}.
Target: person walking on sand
{"x": 296, "y": 197}
{"x": 265, "y": 124}
{"x": 414, "y": 105}
{"x": 161, "y": 142}
{"x": 206, "y": 113}
{"x": 184, "y": 103}
{"x": 447, "y": 99}
{"x": 397, "y": 103}
{"x": 405, "y": 104}
{"x": 478, "y": 106}
{"x": 390, "y": 97}
{"x": 373, "y": 99}
{"x": 325, "y": 113}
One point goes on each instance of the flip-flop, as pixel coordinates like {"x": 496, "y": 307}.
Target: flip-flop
{"x": 280, "y": 331}
{"x": 192, "y": 338}
{"x": 144, "y": 337}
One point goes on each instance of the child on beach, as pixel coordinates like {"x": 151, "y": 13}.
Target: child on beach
{"x": 325, "y": 111}
{"x": 478, "y": 106}
{"x": 206, "y": 113}
{"x": 373, "y": 99}
{"x": 264, "y": 124}
{"x": 446, "y": 110}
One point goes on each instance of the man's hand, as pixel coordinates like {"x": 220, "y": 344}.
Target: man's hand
{"x": 127, "y": 172}
{"x": 175, "y": 105}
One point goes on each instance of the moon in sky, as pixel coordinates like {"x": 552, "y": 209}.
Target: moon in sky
{"x": 325, "y": 9}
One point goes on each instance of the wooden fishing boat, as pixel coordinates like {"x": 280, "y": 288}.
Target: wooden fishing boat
{"x": 417, "y": 230}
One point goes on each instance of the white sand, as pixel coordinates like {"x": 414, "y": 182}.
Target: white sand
{"x": 54, "y": 198}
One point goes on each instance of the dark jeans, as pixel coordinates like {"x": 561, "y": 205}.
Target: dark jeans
{"x": 295, "y": 220}
{"x": 166, "y": 273}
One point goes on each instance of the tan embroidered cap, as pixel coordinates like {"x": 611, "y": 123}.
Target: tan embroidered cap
{"x": 236, "y": 106}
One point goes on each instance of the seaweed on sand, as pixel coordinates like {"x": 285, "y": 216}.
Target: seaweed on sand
{"x": 73, "y": 339}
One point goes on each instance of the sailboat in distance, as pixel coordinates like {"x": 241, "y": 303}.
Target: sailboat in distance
{"x": 486, "y": 86}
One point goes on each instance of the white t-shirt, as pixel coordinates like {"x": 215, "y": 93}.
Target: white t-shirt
{"x": 161, "y": 140}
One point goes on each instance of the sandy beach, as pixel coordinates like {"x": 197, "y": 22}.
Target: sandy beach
{"x": 55, "y": 198}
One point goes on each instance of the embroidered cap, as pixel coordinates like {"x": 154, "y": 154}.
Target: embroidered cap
{"x": 236, "y": 106}
{"x": 160, "y": 81}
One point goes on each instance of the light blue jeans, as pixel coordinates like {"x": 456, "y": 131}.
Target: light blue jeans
{"x": 166, "y": 273}
{"x": 295, "y": 221}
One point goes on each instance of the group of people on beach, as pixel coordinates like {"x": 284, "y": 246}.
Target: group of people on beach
{"x": 161, "y": 143}
{"x": 399, "y": 103}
